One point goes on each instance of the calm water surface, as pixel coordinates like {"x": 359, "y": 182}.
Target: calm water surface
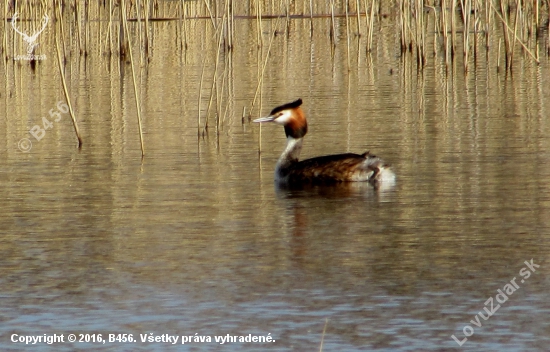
{"x": 196, "y": 239}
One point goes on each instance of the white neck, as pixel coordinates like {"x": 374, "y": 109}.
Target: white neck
{"x": 289, "y": 156}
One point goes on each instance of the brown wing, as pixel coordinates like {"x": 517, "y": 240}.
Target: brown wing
{"x": 333, "y": 168}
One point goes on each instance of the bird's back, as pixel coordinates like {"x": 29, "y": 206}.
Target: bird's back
{"x": 333, "y": 168}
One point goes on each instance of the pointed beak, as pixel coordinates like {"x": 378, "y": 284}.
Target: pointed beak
{"x": 265, "y": 119}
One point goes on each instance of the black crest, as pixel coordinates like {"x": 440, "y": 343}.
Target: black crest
{"x": 287, "y": 106}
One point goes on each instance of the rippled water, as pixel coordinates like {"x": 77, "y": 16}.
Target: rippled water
{"x": 195, "y": 238}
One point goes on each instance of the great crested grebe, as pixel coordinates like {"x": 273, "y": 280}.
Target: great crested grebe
{"x": 324, "y": 169}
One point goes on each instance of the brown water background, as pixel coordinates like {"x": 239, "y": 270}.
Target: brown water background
{"x": 195, "y": 238}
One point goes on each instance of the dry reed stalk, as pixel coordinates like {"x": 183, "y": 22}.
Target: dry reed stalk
{"x": 260, "y": 140}
{"x": 232, "y": 25}
{"x": 110, "y": 27}
{"x": 220, "y": 98}
{"x": 260, "y": 46}
{"x": 370, "y": 66}
{"x": 260, "y": 80}
{"x": 121, "y": 35}
{"x": 323, "y": 336}
{"x": 523, "y": 21}
{"x": 506, "y": 34}
{"x": 217, "y": 10}
{"x": 200, "y": 98}
{"x": 214, "y": 86}
{"x": 229, "y": 72}
{"x": 311, "y": 17}
{"x": 516, "y": 21}
{"x": 227, "y": 57}
{"x": 453, "y": 28}
{"x": 498, "y": 55}
{"x": 184, "y": 25}
{"x": 180, "y": 23}
{"x": 436, "y": 29}
{"x": 347, "y": 34}
{"x": 445, "y": 30}
{"x": 210, "y": 13}
{"x": 466, "y": 17}
{"x": 226, "y": 77}
{"x": 86, "y": 29}
{"x": 66, "y": 92}
{"x": 536, "y": 18}
{"x": 287, "y": 10}
{"x": 402, "y": 27}
{"x": 488, "y": 18}
{"x": 78, "y": 26}
{"x": 147, "y": 29}
{"x": 419, "y": 34}
{"x": 5, "y": 45}
{"x": 259, "y": 24}
{"x": 369, "y": 19}
{"x": 99, "y": 31}
{"x": 140, "y": 37}
{"x": 405, "y": 26}
{"x": 229, "y": 24}
{"x": 358, "y": 8}
{"x": 536, "y": 29}
{"x": 60, "y": 17}
{"x": 333, "y": 26}
{"x": 527, "y": 21}
{"x": 476, "y": 11}
{"x": 138, "y": 105}
{"x": 516, "y": 38}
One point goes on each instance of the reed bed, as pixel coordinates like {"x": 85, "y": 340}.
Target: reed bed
{"x": 457, "y": 25}
{"x": 469, "y": 28}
